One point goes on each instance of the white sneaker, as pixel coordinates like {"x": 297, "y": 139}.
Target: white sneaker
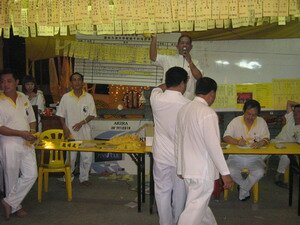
{"x": 62, "y": 179}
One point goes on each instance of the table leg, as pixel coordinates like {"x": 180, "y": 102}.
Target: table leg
{"x": 137, "y": 159}
{"x": 2, "y": 182}
{"x": 151, "y": 184}
{"x": 299, "y": 196}
{"x": 291, "y": 185}
{"x": 143, "y": 174}
{"x": 139, "y": 172}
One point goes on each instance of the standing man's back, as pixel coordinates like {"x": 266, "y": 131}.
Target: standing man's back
{"x": 166, "y": 100}
{"x": 195, "y": 161}
{"x": 199, "y": 155}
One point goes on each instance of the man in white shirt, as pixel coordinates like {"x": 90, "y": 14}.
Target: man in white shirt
{"x": 289, "y": 133}
{"x": 200, "y": 158}
{"x": 76, "y": 109}
{"x": 17, "y": 154}
{"x": 166, "y": 100}
{"x": 182, "y": 59}
{"x": 248, "y": 131}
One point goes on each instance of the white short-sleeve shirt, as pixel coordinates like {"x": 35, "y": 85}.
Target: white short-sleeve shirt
{"x": 197, "y": 142}
{"x": 168, "y": 61}
{"x": 17, "y": 115}
{"x": 38, "y": 100}
{"x": 165, "y": 106}
{"x": 74, "y": 110}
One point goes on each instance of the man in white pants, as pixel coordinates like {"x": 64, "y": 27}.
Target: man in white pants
{"x": 17, "y": 154}
{"x": 77, "y": 109}
{"x": 166, "y": 100}
{"x": 182, "y": 59}
{"x": 250, "y": 131}
{"x": 289, "y": 133}
{"x": 200, "y": 158}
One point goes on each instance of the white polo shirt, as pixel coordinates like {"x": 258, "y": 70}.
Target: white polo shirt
{"x": 198, "y": 142}
{"x": 237, "y": 129}
{"x": 16, "y": 116}
{"x": 38, "y": 100}
{"x": 74, "y": 110}
{"x": 290, "y": 130}
{"x": 168, "y": 61}
{"x": 165, "y": 106}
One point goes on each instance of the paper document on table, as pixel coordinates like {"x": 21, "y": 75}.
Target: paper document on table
{"x": 244, "y": 147}
{"x": 280, "y": 145}
{"x": 224, "y": 145}
{"x": 249, "y": 147}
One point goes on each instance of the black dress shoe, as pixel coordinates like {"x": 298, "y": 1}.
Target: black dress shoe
{"x": 245, "y": 199}
{"x": 281, "y": 184}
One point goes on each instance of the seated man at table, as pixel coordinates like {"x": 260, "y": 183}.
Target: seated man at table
{"x": 251, "y": 131}
{"x": 289, "y": 133}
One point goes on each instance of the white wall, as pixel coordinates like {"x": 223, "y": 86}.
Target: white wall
{"x": 278, "y": 58}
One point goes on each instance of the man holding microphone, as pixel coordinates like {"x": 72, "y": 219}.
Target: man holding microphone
{"x": 182, "y": 59}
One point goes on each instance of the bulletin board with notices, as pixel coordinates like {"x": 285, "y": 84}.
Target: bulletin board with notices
{"x": 96, "y": 72}
{"x": 48, "y": 18}
{"x": 271, "y": 96}
{"x": 122, "y": 60}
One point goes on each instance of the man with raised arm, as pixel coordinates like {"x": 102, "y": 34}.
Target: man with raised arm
{"x": 182, "y": 59}
{"x": 166, "y": 100}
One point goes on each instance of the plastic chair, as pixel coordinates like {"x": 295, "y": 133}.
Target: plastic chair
{"x": 56, "y": 164}
{"x": 286, "y": 176}
{"x": 254, "y": 189}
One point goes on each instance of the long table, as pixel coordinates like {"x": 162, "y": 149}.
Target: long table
{"x": 289, "y": 149}
{"x": 136, "y": 154}
{"x": 271, "y": 149}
